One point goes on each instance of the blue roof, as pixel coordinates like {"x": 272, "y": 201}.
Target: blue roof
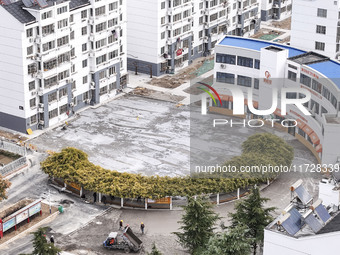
{"x": 257, "y": 45}
{"x": 330, "y": 69}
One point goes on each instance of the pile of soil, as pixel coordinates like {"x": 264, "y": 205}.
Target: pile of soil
{"x": 12, "y": 136}
{"x": 184, "y": 75}
{"x": 284, "y": 24}
{"x": 153, "y": 94}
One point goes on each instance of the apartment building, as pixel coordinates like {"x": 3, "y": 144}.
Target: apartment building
{"x": 316, "y": 26}
{"x": 262, "y": 65}
{"x": 58, "y": 57}
{"x": 166, "y": 35}
{"x": 275, "y": 9}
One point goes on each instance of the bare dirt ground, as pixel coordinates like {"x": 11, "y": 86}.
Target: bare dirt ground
{"x": 284, "y": 24}
{"x": 265, "y": 31}
{"x": 174, "y": 81}
{"x": 6, "y": 158}
{"x": 12, "y": 136}
{"x": 149, "y": 93}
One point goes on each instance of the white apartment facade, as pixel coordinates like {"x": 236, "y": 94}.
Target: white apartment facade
{"x": 316, "y": 26}
{"x": 257, "y": 64}
{"x": 58, "y": 57}
{"x": 166, "y": 35}
{"x": 275, "y": 9}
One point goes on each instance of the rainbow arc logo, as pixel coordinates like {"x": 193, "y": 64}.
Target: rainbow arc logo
{"x": 209, "y": 93}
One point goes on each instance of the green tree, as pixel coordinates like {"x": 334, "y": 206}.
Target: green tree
{"x": 252, "y": 213}
{"x": 272, "y": 146}
{"x": 41, "y": 246}
{"x": 154, "y": 250}
{"x": 235, "y": 241}
{"x": 4, "y": 185}
{"x": 198, "y": 223}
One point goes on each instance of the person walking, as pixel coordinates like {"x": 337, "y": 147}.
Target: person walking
{"x": 121, "y": 225}
{"x": 142, "y": 226}
{"x": 52, "y": 239}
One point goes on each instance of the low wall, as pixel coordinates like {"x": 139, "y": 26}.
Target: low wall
{"x": 308, "y": 146}
{"x": 13, "y": 166}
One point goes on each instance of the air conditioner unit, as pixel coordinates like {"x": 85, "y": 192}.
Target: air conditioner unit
{"x": 31, "y": 40}
{"x": 91, "y": 21}
{"x": 41, "y": 105}
{"x": 223, "y": 66}
{"x": 41, "y": 122}
{"x": 37, "y": 40}
{"x": 88, "y": 101}
{"x": 92, "y": 85}
{"x": 91, "y": 54}
{"x": 33, "y": 93}
{"x": 71, "y": 104}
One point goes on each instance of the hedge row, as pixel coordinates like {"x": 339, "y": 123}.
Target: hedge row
{"x": 73, "y": 165}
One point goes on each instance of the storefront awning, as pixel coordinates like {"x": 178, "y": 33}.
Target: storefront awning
{"x": 307, "y": 130}
{"x": 315, "y": 139}
{"x": 318, "y": 148}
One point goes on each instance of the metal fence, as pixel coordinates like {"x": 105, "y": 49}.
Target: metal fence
{"x": 7, "y": 169}
{"x": 11, "y": 147}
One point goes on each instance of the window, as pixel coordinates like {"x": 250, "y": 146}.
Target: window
{"x": 186, "y": 28}
{"x": 32, "y": 68}
{"x": 84, "y": 63}
{"x": 162, "y": 5}
{"x": 214, "y": 17}
{"x": 103, "y": 91}
{"x": 31, "y": 85}
{"x": 100, "y": 27}
{"x": 257, "y": 64}
{"x": 46, "y": 15}
{"x": 112, "y": 70}
{"x": 291, "y": 76}
{"x": 317, "y": 86}
{"x": 334, "y": 101}
{"x": 326, "y": 93}
{"x": 84, "y": 79}
{"x": 247, "y": 62}
{"x": 63, "y": 75}
{"x": 62, "y": 23}
{"x": 291, "y": 95}
{"x": 33, "y": 102}
{"x": 30, "y": 50}
{"x": 48, "y": 65}
{"x": 33, "y": 119}
{"x": 72, "y": 35}
{"x": 320, "y": 29}
{"x": 46, "y": 30}
{"x": 83, "y": 30}
{"x": 243, "y": 81}
{"x": 62, "y": 41}
{"x": 84, "y": 14}
{"x": 100, "y": 59}
{"x": 73, "y": 86}
{"x": 162, "y": 20}
{"x": 113, "y": 6}
{"x": 86, "y": 96}
{"x": 314, "y": 106}
{"x": 112, "y": 22}
{"x": 102, "y": 75}
{"x": 177, "y": 2}
{"x": 305, "y": 80}
{"x": 227, "y": 59}
{"x": 84, "y": 47}
{"x": 111, "y": 39}
{"x": 177, "y": 31}
{"x": 62, "y": 10}
{"x": 323, "y": 110}
{"x": 63, "y": 109}
{"x": 51, "y": 81}
{"x": 291, "y": 66}
{"x": 225, "y": 78}
{"x": 52, "y": 114}
{"x": 62, "y": 92}
{"x": 29, "y": 32}
{"x": 113, "y": 54}
{"x": 256, "y": 83}
{"x": 52, "y": 97}
{"x": 100, "y": 11}
{"x": 162, "y": 35}
{"x": 320, "y": 46}
{"x": 322, "y": 13}
{"x": 100, "y": 43}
